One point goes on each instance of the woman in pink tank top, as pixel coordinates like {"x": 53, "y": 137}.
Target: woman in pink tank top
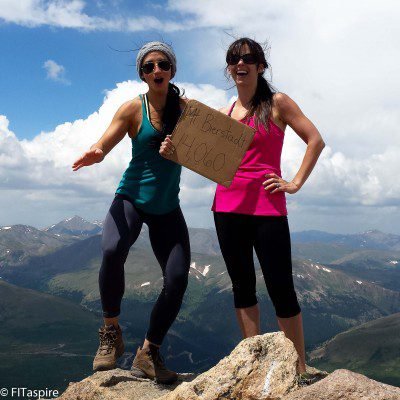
{"x": 251, "y": 213}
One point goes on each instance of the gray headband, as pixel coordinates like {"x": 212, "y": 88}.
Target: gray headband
{"x": 156, "y": 46}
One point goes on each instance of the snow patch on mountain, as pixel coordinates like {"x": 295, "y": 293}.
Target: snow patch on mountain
{"x": 206, "y": 269}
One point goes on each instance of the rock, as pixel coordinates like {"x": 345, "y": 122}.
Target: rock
{"x": 259, "y": 368}
{"x": 118, "y": 384}
{"x": 346, "y": 385}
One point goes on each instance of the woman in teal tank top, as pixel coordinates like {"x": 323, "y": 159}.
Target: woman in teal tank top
{"x": 150, "y": 181}
{"x": 147, "y": 193}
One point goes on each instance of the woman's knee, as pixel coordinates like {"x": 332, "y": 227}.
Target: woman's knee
{"x": 115, "y": 246}
{"x": 286, "y": 304}
{"x": 176, "y": 285}
{"x": 244, "y": 295}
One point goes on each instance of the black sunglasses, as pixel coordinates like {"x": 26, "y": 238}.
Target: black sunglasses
{"x": 248, "y": 58}
{"x": 148, "y": 68}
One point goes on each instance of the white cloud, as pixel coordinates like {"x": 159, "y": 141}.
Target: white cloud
{"x": 33, "y": 13}
{"x": 55, "y": 72}
{"x": 71, "y": 14}
{"x": 337, "y": 59}
{"x": 38, "y": 172}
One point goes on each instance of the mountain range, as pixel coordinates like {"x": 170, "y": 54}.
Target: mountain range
{"x": 342, "y": 281}
{"x": 372, "y": 348}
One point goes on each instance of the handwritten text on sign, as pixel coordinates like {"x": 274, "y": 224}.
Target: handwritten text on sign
{"x": 210, "y": 143}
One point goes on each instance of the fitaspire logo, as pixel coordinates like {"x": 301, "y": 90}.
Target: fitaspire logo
{"x": 26, "y": 393}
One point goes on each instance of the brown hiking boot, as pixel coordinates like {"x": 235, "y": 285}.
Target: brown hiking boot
{"x": 149, "y": 364}
{"x": 111, "y": 347}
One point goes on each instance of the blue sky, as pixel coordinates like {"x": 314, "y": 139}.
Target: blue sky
{"x": 93, "y": 61}
{"x": 61, "y": 82}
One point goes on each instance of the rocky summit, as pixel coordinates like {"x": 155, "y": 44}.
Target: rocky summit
{"x": 259, "y": 368}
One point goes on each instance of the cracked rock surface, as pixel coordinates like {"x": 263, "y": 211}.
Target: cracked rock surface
{"x": 343, "y": 384}
{"x": 118, "y": 384}
{"x": 259, "y": 368}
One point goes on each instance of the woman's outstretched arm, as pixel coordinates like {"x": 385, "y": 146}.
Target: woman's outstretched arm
{"x": 123, "y": 121}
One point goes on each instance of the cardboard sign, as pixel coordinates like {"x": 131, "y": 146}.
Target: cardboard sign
{"x": 209, "y": 142}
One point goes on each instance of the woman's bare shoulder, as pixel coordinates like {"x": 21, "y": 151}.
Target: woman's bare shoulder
{"x": 283, "y": 102}
{"x": 131, "y": 107}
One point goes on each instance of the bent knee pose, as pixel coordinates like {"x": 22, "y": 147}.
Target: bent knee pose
{"x": 147, "y": 193}
{"x": 252, "y": 213}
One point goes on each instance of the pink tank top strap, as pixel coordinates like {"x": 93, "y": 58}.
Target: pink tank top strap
{"x": 231, "y": 109}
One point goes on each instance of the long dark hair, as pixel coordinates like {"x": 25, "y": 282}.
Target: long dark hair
{"x": 172, "y": 110}
{"x": 261, "y": 103}
{"x": 171, "y": 114}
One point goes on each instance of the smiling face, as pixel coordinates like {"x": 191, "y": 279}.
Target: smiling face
{"x": 157, "y": 78}
{"x": 245, "y": 73}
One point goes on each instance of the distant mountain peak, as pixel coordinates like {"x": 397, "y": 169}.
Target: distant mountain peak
{"x": 75, "y": 218}
{"x": 19, "y": 228}
{"x": 74, "y": 226}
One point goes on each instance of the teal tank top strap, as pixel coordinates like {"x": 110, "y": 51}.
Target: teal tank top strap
{"x": 146, "y": 107}
{"x": 145, "y": 104}
{"x": 145, "y": 114}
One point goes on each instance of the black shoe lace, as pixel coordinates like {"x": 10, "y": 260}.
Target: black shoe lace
{"x": 107, "y": 341}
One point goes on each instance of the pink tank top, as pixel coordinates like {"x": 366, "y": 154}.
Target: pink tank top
{"x": 246, "y": 194}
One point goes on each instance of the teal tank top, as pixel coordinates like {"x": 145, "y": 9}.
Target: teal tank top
{"x": 151, "y": 182}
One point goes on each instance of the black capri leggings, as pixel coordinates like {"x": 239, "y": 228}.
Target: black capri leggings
{"x": 170, "y": 242}
{"x": 238, "y": 234}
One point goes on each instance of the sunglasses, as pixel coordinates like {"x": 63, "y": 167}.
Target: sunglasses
{"x": 247, "y": 59}
{"x": 149, "y": 67}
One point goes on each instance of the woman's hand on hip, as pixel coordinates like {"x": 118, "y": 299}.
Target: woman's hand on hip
{"x": 167, "y": 148}
{"x": 91, "y": 157}
{"x": 275, "y": 184}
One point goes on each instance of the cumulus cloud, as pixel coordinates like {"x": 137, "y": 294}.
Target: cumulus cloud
{"x": 55, "y": 72}
{"x": 39, "y": 170}
{"x": 337, "y": 59}
{"x": 71, "y": 14}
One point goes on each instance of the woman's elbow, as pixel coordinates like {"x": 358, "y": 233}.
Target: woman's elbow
{"x": 319, "y": 143}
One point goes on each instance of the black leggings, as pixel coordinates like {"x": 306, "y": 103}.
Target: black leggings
{"x": 170, "y": 242}
{"x": 270, "y": 237}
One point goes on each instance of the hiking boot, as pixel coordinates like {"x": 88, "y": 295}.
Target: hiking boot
{"x": 148, "y": 363}
{"x": 111, "y": 347}
{"x": 306, "y": 379}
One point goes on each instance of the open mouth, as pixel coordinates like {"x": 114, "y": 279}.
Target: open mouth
{"x": 159, "y": 80}
{"x": 241, "y": 73}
